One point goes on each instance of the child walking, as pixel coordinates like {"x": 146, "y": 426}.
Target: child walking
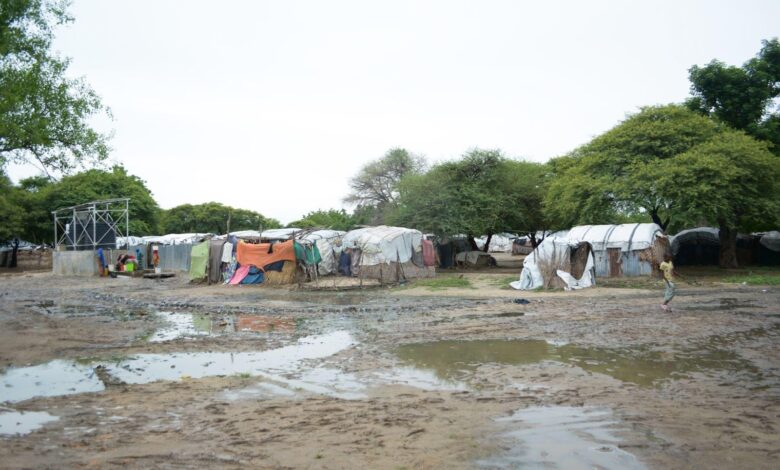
{"x": 668, "y": 269}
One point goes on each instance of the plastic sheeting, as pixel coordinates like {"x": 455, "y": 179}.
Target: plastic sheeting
{"x": 199, "y": 259}
{"x": 499, "y": 243}
{"x": 384, "y": 244}
{"x": 328, "y": 242}
{"x": 627, "y": 237}
{"x": 699, "y": 235}
{"x": 264, "y": 253}
{"x": 169, "y": 239}
{"x": 280, "y": 233}
{"x": 771, "y": 240}
{"x": 552, "y": 254}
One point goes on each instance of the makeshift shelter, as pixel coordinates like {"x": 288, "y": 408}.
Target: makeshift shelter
{"x": 558, "y": 263}
{"x": 623, "y": 250}
{"x": 169, "y": 239}
{"x": 328, "y": 243}
{"x": 769, "y": 249}
{"x": 522, "y": 246}
{"x": 700, "y": 246}
{"x": 499, "y": 242}
{"x": 696, "y": 246}
{"x": 474, "y": 259}
{"x": 447, "y": 249}
{"x": 280, "y": 234}
{"x": 389, "y": 254}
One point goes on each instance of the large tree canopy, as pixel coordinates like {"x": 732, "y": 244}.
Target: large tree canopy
{"x": 742, "y": 97}
{"x": 11, "y": 213}
{"x": 213, "y": 217}
{"x": 732, "y": 181}
{"x": 374, "y": 189}
{"x": 93, "y": 185}
{"x": 43, "y": 114}
{"x": 608, "y": 180}
{"x": 34, "y": 199}
{"x": 482, "y": 193}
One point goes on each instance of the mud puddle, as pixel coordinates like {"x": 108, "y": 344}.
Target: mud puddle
{"x": 339, "y": 384}
{"x": 457, "y": 360}
{"x": 19, "y": 423}
{"x": 146, "y": 368}
{"x": 562, "y": 437}
{"x": 192, "y": 325}
{"x": 55, "y": 378}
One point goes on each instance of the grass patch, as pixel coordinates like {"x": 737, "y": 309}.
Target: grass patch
{"x": 502, "y": 282}
{"x": 440, "y": 283}
{"x": 755, "y": 279}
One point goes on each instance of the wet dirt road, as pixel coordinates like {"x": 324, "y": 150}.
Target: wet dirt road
{"x": 108, "y": 373}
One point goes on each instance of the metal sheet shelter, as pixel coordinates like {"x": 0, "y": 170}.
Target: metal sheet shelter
{"x": 92, "y": 225}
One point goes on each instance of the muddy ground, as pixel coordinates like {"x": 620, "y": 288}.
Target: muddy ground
{"x": 257, "y": 377}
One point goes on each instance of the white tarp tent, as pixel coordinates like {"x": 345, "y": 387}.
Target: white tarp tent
{"x": 328, "y": 243}
{"x": 627, "y": 237}
{"x": 622, "y": 250}
{"x": 169, "y": 239}
{"x": 499, "y": 243}
{"x": 557, "y": 257}
{"x": 384, "y": 244}
{"x": 771, "y": 240}
{"x": 280, "y": 233}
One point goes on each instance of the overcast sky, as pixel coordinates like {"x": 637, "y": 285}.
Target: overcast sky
{"x": 272, "y": 106}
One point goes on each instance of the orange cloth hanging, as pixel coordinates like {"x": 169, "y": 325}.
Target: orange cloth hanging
{"x": 257, "y": 255}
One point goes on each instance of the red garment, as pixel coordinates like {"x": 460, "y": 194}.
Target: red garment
{"x": 257, "y": 255}
{"x": 429, "y": 256}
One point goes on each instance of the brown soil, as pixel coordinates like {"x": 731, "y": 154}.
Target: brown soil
{"x": 698, "y": 417}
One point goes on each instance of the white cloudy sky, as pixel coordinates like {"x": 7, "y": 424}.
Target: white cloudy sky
{"x": 273, "y": 105}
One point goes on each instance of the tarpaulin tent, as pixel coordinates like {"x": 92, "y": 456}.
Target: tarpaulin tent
{"x": 386, "y": 253}
{"x": 700, "y": 246}
{"x": 280, "y": 233}
{"x": 623, "y": 250}
{"x": 499, "y": 242}
{"x": 328, "y": 243}
{"x": 696, "y": 246}
{"x": 558, "y": 262}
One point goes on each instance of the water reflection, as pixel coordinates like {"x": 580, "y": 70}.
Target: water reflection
{"x": 641, "y": 366}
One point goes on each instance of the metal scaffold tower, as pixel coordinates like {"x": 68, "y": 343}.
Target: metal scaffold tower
{"x": 92, "y": 225}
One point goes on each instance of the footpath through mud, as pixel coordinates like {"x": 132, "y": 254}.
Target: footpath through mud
{"x": 131, "y": 372}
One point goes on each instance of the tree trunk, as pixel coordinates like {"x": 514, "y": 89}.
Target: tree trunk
{"x": 728, "y": 246}
{"x": 473, "y": 243}
{"x": 12, "y": 262}
{"x": 487, "y": 242}
{"x": 657, "y": 220}
{"x": 534, "y": 241}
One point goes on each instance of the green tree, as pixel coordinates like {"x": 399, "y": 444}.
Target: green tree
{"x": 742, "y": 97}
{"x": 43, "y": 113}
{"x": 30, "y": 196}
{"x": 334, "y": 219}
{"x": 609, "y": 179}
{"x": 375, "y": 186}
{"x": 94, "y": 185}
{"x": 482, "y": 193}
{"x": 213, "y": 217}
{"x": 11, "y": 213}
{"x": 731, "y": 180}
